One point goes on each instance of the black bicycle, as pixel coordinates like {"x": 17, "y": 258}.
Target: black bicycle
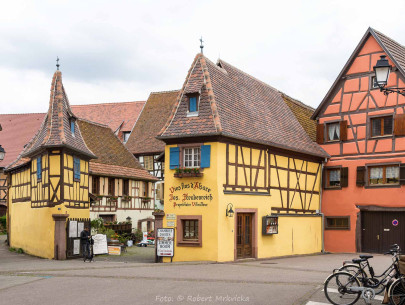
{"x": 346, "y": 286}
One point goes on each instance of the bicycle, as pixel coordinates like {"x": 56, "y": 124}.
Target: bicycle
{"x": 396, "y": 292}
{"x": 345, "y": 288}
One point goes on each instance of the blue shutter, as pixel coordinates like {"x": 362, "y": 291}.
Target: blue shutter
{"x": 76, "y": 168}
{"x": 72, "y": 126}
{"x": 39, "y": 168}
{"x": 174, "y": 157}
{"x": 205, "y": 156}
{"x": 193, "y": 104}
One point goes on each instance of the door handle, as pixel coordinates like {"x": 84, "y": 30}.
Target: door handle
{"x": 378, "y": 237}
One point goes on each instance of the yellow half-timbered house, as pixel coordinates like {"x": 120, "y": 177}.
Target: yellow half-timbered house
{"x": 49, "y": 181}
{"x": 243, "y": 175}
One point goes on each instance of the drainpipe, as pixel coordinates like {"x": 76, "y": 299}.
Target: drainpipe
{"x": 320, "y": 207}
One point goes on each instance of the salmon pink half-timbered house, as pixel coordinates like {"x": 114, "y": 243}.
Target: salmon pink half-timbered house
{"x": 363, "y": 130}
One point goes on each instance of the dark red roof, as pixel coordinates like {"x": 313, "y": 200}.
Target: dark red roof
{"x": 152, "y": 119}
{"x": 237, "y": 105}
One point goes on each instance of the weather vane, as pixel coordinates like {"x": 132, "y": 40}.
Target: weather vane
{"x": 57, "y": 63}
{"x": 201, "y": 46}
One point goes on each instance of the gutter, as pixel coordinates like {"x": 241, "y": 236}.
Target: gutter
{"x": 320, "y": 208}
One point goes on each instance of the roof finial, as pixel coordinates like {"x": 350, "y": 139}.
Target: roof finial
{"x": 57, "y": 63}
{"x": 201, "y": 46}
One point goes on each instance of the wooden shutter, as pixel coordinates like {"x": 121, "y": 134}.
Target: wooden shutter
{"x": 361, "y": 176}
{"x": 174, "y": 157}
{"x": 205, "y": 156}
{"x": 76, "y": 168}
{"x": 343, "y": 130}
{"x": 399, "y": 125}
{"x": 344, "y": 177}
{"x": 39, "y": 167}
{"x": 320, "y": 133}
{"x": 402, "y": 174}
{"x": 324, "y": 177}
{"x": 111, "y": 186}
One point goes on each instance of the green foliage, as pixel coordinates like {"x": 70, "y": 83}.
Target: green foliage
{"x": 20, "y": 250}
{"x": 3, "y": 222}
{"x": 137, "y": 236}
{"x": 110, "y": 233}
{"x": 11, "y": 249}
{"x": 97, "y": 224}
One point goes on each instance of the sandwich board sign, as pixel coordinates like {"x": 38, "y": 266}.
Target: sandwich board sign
{"x": 165, "y": 242}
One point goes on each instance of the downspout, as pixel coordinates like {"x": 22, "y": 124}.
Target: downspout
{"x": 320, "y": 208}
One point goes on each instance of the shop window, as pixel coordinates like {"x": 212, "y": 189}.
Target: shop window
{"x": 381, "y": 126}
{"x": 76, "y": 168}
{"x": 111, "y": 186}
{"x": 39, "y": 168}
{"x": 380, "y": 175}
{"x": 337, "y": 223}
{"x": 189, "y": 229}
{"x": 333, "y": 131}
{"x": 95, "y": 185}
{"x": 198, "y": 156}
{"x": 125, "y": 187}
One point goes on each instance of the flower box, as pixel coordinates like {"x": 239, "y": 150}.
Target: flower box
{"x": 185, "y": 175}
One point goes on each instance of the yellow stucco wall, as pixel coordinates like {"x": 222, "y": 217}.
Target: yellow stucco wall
{"x": 33, "y": 228}
{"x": 297, "y": 234}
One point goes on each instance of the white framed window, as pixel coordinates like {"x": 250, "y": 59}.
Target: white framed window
{"x": 192, "y": 157}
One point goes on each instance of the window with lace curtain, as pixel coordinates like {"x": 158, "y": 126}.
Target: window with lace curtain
{"x": 333, "y": 131}
{"x": 387, "y": 174}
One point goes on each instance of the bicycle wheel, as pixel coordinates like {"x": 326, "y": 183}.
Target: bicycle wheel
{"x": 396, "y": 292}
{"x": 374, "y": 283}
{"x": 337, "y": 288}
{"x": 351, "y": 268}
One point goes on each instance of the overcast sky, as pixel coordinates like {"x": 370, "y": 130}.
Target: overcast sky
{"x": 116, "y": 51}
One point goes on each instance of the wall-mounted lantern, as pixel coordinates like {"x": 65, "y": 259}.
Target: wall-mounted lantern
{"x": 129, "y": 219}
{"x": 229, "y": 210}
{"x": 2, "y": 153}
{"x": 382, "y": 70}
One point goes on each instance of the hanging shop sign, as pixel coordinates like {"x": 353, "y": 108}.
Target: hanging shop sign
{"x": 165, "y": 242}
{"x": 193, "y": 194}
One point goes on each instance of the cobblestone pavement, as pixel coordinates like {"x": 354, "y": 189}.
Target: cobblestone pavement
{"x": 290, "y": 281}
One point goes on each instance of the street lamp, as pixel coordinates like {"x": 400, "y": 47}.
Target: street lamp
{"x": 2, "y": 153}
{"x": 382, "y": 70}
{"x": 129, "y": 219}
{"x": 229, "y": 211}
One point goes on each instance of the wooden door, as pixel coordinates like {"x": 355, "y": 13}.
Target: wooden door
{"x": 379, "y": 231}
{"x": 244, "y": 235}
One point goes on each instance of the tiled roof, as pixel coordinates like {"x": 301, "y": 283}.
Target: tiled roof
{"x": 394, "y": 50}
{"x": 55, "y": 129}
{"x": 18, "y": 130}
{"x": 303, "y": 114}
{"x": 237, "y": 105}
{"x": 116, "y": 115}
{"x": 113, "y": 158}
{"x": 120, "y": 171}
{"x": 153, "y": 117}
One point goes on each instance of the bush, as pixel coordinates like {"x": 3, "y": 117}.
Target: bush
{"x": 137, "y": 235}
{"x": 3, "y": 221}
{"x": 97, "y": 225}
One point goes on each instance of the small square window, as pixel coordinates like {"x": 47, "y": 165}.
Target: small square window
{"x": 333, "y": 131}
{"x": 192, "y": 157}
{"x": 333, "y": 177}
{"x": 381, "y": 126}
{"x": 189, "y": 230}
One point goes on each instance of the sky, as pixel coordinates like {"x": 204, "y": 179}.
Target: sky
{"x": 117, "y": 51}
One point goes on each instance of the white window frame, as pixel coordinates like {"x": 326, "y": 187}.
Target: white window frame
{"x": 195, "y": 157}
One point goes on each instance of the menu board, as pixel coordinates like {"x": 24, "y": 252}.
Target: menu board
{"x": 165, "y": 242}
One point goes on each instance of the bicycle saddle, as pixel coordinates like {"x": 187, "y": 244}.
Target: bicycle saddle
{"x": 357, "y": 260}
{"x": 366, "y": 256}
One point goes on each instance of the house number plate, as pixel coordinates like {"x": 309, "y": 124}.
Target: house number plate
{"x": 386, "y": 230}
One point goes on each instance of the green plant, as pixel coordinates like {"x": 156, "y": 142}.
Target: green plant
{"x": 11, "y": 249}
{"x": 3, "y": 221}
{"x": 20, "y": 250}
{"x": 97, "y": 224}
{"x": 137, "y": 235}
{"x": 110, "y": 233}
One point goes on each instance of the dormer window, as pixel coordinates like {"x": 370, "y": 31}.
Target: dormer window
{"x": 193, "y": 101}
{"x": 72, "y": 126}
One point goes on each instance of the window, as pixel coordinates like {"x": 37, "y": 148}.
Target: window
{"x": 189, "y": 230}
{"x": 96, "y": 185}
{"x": 148, "y": 163}
{"x": 333, "y": 131}
{"x": 192, "y": 157}
{"x": 76, "y": 168}
{"x": 380, "y": 175}
{"x": 125, "y": 187}
{"x": 126, "y": 135}
{"x": 333, "y": 177}
{"x": 145, "y": 189}
{"x": 72, "y": 126}
{"x": 39, "y": 168}
{"x": 337, "y": 223}
{"x": 193, "y": 103}
{"x": 111, "y": 186}
{"x": 381, "y": 126}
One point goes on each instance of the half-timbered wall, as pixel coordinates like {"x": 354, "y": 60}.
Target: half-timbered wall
{"x": 20, "y": 183}
{"x": 40, "y": 187}
{"x": 76, "y": 193}
{"x": 3, "y": 187}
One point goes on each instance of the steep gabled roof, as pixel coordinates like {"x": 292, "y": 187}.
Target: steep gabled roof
{"x": 120, "y": 116}
{"x": 153, "y": 117}
{"x": 113, "y": 158}
{"x": 394, "y": 50}
{"x": 237, "y": 105}
{"x": 55, "y": 130}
